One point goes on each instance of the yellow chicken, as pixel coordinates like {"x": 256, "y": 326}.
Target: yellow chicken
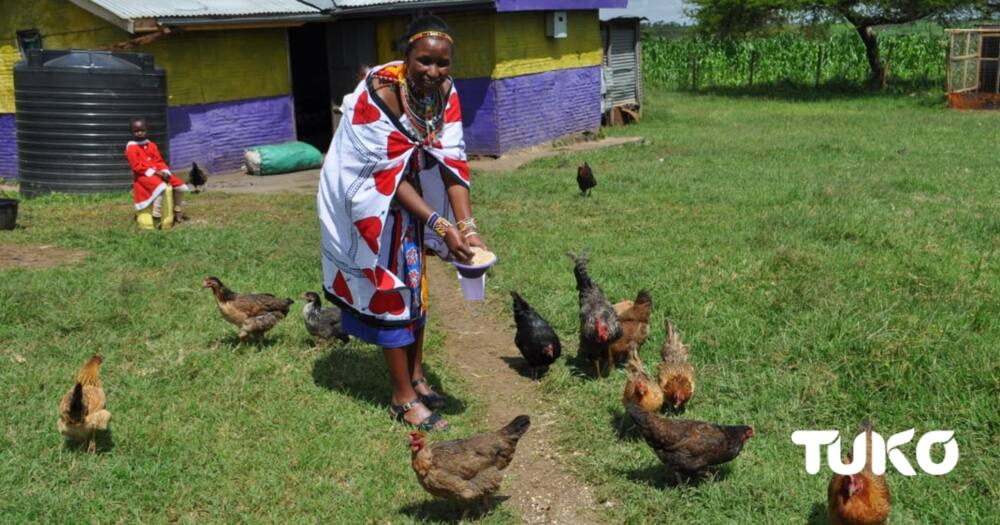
{"x": 81, "y": 411}
{"x": 676, "y": 375}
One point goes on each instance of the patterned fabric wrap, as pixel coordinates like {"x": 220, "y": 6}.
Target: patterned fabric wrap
{"x": 366, "y": 266}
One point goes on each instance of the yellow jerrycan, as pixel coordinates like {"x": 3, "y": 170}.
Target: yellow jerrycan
{"x": 145, "y": 216}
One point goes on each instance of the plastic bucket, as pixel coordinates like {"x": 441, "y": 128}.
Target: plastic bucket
{"x": 8, "y": 214}
{"x": 473, "y": 288}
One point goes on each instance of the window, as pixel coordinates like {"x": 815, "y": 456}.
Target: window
{"x": 28, "y": 39}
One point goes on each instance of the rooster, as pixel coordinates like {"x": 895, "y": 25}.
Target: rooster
{"x": 640, "y": 388}
{"x": 862, "y": 498}
{"x": 81, "y": 411}
{"x": 537, "y": 341}
{"x": 599, "y": 326}
{"x": 676, "y": 376}
{"x": 634, "y": 318}
{"x": 585, "y": 179}
{"x": 322, "y": 323}
{"x": 467, "y": 470}
{"x": 255, "y": 314}
{"x": 197, "y": 177}
{"x": 687, "y": 447}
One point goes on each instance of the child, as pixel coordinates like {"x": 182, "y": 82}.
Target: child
{"x": 151, "y": 174}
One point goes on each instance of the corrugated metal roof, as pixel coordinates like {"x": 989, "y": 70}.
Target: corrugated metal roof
{"x": 132, "y": 9}
{"x": 346, "y": 4}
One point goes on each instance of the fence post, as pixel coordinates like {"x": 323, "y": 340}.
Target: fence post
{"x": 694, "y": 70}
{"x": 753, "y": 64}
{"x": 885, "y": 69}
{"x": 819, "y": 66}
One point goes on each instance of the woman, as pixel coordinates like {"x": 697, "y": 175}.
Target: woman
{"x": 394, "y": 182}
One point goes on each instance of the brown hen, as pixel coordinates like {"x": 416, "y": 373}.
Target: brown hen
{"x": 862, "y": 498}
{"x": 687, "y": 447}
{"x": 254, "y": 314}
{"x": 634, "y": 318}
{"x": 640, "y": 388}
{"x": 81, "y": 411}
{"x": 467, "y": 470}
{"x": 676, "y": 375}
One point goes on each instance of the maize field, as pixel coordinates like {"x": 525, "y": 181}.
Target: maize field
{"x": 913, "y": 58}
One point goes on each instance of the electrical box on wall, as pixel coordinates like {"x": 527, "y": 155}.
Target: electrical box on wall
{"x": 555, "y": 24}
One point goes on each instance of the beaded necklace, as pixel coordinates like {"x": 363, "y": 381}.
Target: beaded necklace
{"x": 426, "y": 114}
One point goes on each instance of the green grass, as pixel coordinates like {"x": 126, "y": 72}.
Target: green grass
{"x": 825, "y": 258}
{"x": 203, "y": 429}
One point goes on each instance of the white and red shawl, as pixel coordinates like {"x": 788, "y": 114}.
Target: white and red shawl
{"x": 370, "y": 153}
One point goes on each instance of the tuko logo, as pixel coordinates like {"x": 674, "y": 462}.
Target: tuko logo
{"x": 814, "y": 440}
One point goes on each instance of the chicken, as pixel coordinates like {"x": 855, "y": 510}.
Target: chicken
{"x": 467, "y": 470}
{"x": 197, "y": 177}
{"x": 81, "y": 411}
{"x": 676, "y": 375}
{"x": 599, "y": 326}
{"x": 255, "y": 314}
{"x": 322, "y": 323}
{"x": 585, "y": 179}
{"x": 861, "y": 498}
{"x": 685, "y": 446}
{"x": 537, "y": 341}
{"x": 634, "y": 318}
{"x": 640, "y": 388}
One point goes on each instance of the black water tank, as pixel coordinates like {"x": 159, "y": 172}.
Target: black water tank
{"x": 72, "y": 114}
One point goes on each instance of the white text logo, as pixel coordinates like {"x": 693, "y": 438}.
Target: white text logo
{"x": 814, "y": 440}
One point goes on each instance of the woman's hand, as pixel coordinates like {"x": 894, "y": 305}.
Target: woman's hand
{"x": 457, "y": 245}
{"x": 475, "y": 240}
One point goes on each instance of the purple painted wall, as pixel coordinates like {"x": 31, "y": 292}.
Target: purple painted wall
{"x": 479, "y": 118}
{"x": 8, "y": 146}
{"x": 215, "y": 135}
{"x": 532, "y": 109}
{"x": 549, "y": 5}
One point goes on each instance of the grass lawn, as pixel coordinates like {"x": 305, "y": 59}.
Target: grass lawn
{"x": 825, "y": 260}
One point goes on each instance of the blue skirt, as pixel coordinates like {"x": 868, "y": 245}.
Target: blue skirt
{"x": 386, "y": 337}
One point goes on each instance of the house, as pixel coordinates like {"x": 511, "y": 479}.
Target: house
{"x": 241, "y": 72}
{"x": 527, "y": 71}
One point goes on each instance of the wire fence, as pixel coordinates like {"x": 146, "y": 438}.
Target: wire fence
{"x": 916, "y": 58}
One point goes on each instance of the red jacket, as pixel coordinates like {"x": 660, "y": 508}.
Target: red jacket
{"x": 145, "y": 159}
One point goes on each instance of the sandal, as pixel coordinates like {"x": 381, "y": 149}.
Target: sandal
{"x": 433, "y": 401}
{"x": 427, "y": 425}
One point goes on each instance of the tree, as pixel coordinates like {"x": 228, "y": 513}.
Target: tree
{"x": 731, "y": 17}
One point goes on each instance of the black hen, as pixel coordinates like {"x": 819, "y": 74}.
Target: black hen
{"x": 197, "y": 177}
{"x": 585, "y": 179}
{"x": 599, "y": 325}
{"x": 322, "y": 323}
{"x": 689, "y": 446}
{"x": 536, "y": 340}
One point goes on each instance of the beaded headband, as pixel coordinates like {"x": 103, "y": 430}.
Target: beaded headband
{"x": 434, "y": 34}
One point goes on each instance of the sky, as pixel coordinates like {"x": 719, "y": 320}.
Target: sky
{"x": 654, "y": 10}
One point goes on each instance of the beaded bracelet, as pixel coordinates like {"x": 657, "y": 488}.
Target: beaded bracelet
{"x": 466, "y": 224}
{"x": 468, "y": 227}
{"x": 438, "y": 223}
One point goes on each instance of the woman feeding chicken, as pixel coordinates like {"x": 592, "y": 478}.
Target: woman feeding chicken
{"x": 395, "y": 182}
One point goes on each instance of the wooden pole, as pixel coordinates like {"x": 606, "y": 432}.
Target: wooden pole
{"x": 888, "y": 64}
{"x": 753, "y": 64}
{"x": 819, "y": 66}
{"x": 947, "y": 63}
{"x": 694, "y": 70}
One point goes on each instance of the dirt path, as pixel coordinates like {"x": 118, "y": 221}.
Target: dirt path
{"x": 541, "y": 490}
